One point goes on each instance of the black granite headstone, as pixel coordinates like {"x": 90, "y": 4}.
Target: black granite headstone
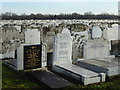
{"x": 32, "y": 57}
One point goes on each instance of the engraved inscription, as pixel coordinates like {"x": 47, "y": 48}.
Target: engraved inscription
{"x": 63, "y": 52}
{"x": 97, "y": 45}
{"x": 32, "y": 56}
{"x": 63, "y": 49}
{"x": 63, "y": 44}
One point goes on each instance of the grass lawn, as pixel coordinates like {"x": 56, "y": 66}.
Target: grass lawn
{"x": 13, "y": 79}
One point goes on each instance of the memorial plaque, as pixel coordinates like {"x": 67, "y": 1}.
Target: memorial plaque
{"x": 32, "y": 57}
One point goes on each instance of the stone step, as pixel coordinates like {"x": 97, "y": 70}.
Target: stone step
{"x": 110, "y": 68}
{"x": 81, "y": 74}
{"x": 49, "y": 79}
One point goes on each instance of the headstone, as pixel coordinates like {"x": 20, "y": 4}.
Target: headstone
{"x": 62, "y": 47}
{"x": 98, "y": 48}
{"x": 96, "y": 32}
{"x": 95, "y": 47}
{"x": 32, "y": 36}
{"x": 63, "y": 64}
{"x": 97, "y": 56}
{"x": 113, "y": 33}
{"x": 28, "y": 57}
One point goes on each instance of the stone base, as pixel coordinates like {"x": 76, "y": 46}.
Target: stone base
{"x": 80, "y": 74}
{"x": 108, "y": 66}
{"x": 49, "y": 79}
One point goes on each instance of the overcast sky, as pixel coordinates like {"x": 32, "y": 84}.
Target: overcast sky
{"x": 52, "y": 7}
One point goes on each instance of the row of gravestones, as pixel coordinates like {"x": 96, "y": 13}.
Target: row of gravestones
{"x": 96, "y": 33}
{"x": 34, "y": 52}
{"x": 33, "y": 56}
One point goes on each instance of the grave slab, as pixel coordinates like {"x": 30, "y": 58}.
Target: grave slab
{"x": 110, "y": 67}
{"x": 50, "y": 79}
{"x": 81, "y": 74}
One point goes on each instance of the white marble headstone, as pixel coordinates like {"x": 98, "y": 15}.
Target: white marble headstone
{"x": 113, "y": 33}
{"x": 62, "y": 47}
{"x": 96, "y": 32}
{"x": 32, "y": 36}
{"x": 96, "y": 49}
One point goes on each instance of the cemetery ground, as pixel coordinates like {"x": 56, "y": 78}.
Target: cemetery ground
{"x": 14, "y": 79}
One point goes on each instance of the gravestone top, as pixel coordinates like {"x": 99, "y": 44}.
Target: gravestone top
{"x": 96, "y": 32}
{"x": 65, "y": 31}
{"x": 115, "y": 25}
{"x": 64, "y": 35}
